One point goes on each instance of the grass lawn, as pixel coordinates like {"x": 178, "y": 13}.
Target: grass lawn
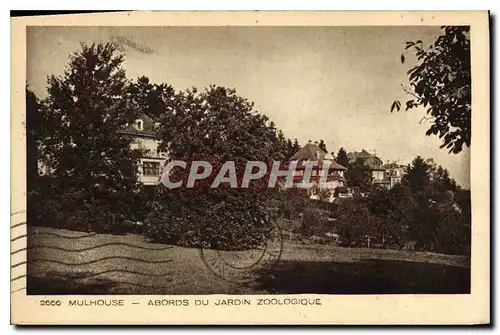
{"x": 177, "y": 270}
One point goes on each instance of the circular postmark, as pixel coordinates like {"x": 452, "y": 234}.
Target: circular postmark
{"x": 244, "y": 266}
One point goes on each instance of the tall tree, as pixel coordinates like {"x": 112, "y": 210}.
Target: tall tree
{"x": 417, "y": 176}
{"x": 442, "y": 182}
{"x": 151, "y": 99}
{"x": 220, "y": 123}
{"x": 322, "y": 145}
{"x": 359, "y": 176}
{"x": 283, "y": 145}
{"x": 33, "y": 130}
{"x": 289, "y": 149}
{"x": 292, "y": 148}
{"x": 93, "y": 164}
{"x": 218, "y": 126}
{"x": 296, "y": 146}
{"x": 441, "y": 83}
{"x": 342, "y": 157}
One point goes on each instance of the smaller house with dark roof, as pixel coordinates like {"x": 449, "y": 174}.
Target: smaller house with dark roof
{"x": 371, "y": 162}
{"x": 394, "y": 173}
{"x": 311, "y": 152}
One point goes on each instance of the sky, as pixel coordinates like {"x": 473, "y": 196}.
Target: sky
{"x": 330, "y": 83}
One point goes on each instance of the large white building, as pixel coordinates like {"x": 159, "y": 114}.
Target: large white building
{"x": 144, "y": 138}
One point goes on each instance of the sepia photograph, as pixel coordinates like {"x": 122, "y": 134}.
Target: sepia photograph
{"x": 246, "y": 160}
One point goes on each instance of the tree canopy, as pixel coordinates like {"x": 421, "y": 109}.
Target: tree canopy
{"x": 151, "y": 98}
{"x": 417, "y": 176}
{"x": 322, "y": 145}
{"x": 441, "y": 83}
{"x": 341, "y": 157}
{"x": 33, "y": 130}
{"x": 215, "y": 125}
{"x": 218, "y": 123}
{"x": 359, "y": 176}
{"x": 92, "y": 163}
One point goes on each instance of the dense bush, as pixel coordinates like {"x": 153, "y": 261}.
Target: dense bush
{"x": 290, "y": 202}
{"x": 396, "y": 218}
{"x": 215, "y": 125}
{"x": 314, "y": 222}
{"x": 221, "y": 218}
{"x": 51, "y": 205}
{"x": 427, "y": 211}
{"x": 356, "y": 219}
{"x": 452, "y": 233}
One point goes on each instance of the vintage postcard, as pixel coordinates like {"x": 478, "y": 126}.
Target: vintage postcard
{"x": 250, "y": 168}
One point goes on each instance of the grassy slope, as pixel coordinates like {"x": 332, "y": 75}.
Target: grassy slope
{"x": 302, "y": 269}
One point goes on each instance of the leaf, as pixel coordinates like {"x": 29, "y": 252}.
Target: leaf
{"x": 402, "y": 59}
{"x": 410, "y": 104}
{"x": 409, "y": 45}
{"x": 395, "y": 105}
{"x": 432, "y": 130}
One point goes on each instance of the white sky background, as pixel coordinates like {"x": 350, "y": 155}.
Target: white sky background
{"x": 334, "y": 83}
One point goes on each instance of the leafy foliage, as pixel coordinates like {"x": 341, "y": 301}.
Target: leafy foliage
{"x": 441, "y": 83}
{"x": 313, "y": 223}
{"x": 291, "y": 148}
{"x": 221, "y": 218}
{"x": 358, "y": 176}
{"x": 427, "y": 211}
{"x": 357, "y": 222}
{"x": 217, "y": 122}
{"x": 215, "y": 125}
{"x": 322, "y": 145}
{"x": 422, "y": 210}
{"x": 417, "y": 176}
{"x": 151, "y": 98}
{"x": 33, "y": 132}
{"x": 342, "y": 157}
{"x": 93, "y": 167}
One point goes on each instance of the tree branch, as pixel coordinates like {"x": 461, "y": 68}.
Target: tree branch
{"x": 409, "y": 92}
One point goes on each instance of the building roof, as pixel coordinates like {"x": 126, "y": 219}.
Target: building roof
{"x": 369, "y": 160}
{"x": 148, "y": 127}
{"x": 309, "y": 152}
{"x": 336, "y": 166}
{"x": 312, "y": 152}
{"x": 395, "y": 170}
{"x": 392, "y": 165}
{"x": 363, "y": 154}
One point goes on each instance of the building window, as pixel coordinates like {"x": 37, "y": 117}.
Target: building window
{"x": 139, "y": 124}
{"x": 151, "y": 168}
